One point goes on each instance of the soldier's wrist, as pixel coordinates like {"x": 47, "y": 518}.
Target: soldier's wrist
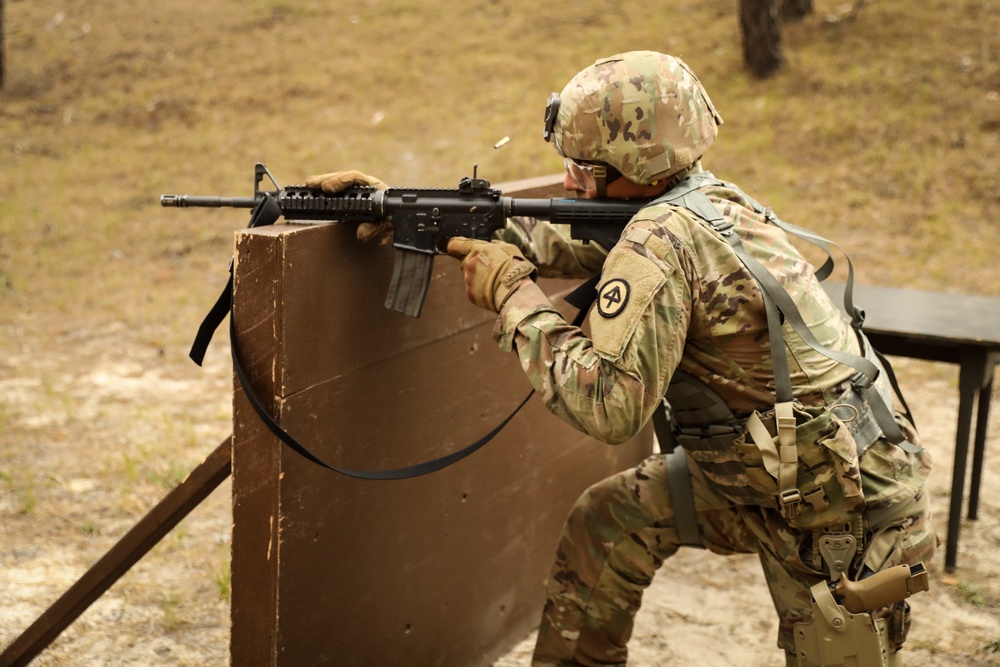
{"x": 520, "y": 305}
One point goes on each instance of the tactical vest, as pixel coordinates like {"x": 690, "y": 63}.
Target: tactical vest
{"x": 803, "y": 461}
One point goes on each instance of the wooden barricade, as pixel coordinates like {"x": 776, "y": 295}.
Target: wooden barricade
{"x": 444, "y": 569}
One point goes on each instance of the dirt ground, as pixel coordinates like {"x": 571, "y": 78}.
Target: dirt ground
{"x": 881, "y": 132}
{"x": 169, "y": 611}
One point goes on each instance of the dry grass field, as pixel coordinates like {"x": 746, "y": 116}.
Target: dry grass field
{"x": 882, "y": 132}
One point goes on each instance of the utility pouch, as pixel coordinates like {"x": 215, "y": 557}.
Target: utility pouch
{"x": 899, "y": 625}
{"x": 802, "y": 461}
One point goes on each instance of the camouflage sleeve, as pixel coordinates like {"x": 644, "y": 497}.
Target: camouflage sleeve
{"x": 606, "y": 385}
{"x": 550, "y": 249}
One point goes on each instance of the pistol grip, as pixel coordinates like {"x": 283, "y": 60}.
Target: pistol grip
{"x": 411, "y": 278}
{"x": 884, "y": 588}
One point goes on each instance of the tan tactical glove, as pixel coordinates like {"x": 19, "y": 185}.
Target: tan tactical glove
{"x": 338, "y": 181}
{"x": 493, "y": 270}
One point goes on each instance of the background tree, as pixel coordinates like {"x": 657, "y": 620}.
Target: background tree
{"x": 760, "y": 23}
{"x": 762, "y": 50}
{"x": 795, "y": 10}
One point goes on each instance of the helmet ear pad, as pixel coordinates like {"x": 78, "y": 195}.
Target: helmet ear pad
{"x": 643, "y": 113}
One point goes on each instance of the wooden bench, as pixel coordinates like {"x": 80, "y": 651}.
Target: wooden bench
{"x": 955, "y": 328}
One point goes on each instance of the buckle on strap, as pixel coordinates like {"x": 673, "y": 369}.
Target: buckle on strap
{"x": 791, "y": 504}
{"x": 788, "y": 456}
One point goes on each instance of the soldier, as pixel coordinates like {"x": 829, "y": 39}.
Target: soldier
{"x": 789, "y": 446}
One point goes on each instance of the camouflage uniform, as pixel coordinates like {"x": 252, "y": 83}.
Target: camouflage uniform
{"x": 685, "y": 302}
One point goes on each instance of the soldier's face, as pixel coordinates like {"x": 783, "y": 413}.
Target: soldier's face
{"x": 578, "y": 190}
{"x": 581, "y": 183}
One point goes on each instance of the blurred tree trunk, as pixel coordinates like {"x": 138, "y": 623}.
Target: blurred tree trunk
{"x": 762, "y": 51}
{"x": 795, "y": 10}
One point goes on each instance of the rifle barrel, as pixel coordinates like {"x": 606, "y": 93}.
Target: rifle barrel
{"x": 185, "y": 201}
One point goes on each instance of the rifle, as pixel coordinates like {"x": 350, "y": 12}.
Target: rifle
{"x": 423, "y": 220}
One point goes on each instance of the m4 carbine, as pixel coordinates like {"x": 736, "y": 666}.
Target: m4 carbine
{"x": 423, "y": 220}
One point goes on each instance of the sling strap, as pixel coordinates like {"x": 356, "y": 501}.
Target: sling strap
{"x": 406, "y": 472}
{"x": 778, "y": 302}
{"x": 266, "y": 213}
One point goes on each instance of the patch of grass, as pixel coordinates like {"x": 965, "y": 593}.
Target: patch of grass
{"x": 130, "y": 466}
{"x": 222, "y": 577}
{"x": 971, "y": 592}
{"x": 25, "y": 491}
{"x": 918, "y": 644}
{"x": 273, "y": 8}
{"x": 180, "y": 430}
{"x": 170, "y": 476}
{"x": 171, "y": 618}
{"x": 832, "y": 127}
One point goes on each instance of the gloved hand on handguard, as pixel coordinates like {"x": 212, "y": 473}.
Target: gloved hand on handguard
{"x": 338, "y": 181}
{"x": 493, "y": 270}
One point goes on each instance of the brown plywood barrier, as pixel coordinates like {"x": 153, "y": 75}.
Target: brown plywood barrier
{"x": 445, "y": 569}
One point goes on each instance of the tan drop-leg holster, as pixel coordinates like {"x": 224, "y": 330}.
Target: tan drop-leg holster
{"x": 858, "y": 630}
{"x": 835, "y": 636}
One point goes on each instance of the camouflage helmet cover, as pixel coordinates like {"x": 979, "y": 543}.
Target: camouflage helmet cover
{"x": 644, "y": 113}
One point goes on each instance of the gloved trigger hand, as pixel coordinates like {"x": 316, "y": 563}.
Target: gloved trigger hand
{"x": 338, "y": 181}
{"x": 493, "y": 270}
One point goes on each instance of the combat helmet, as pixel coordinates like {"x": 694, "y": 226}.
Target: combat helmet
{"x": 642, "y": 113}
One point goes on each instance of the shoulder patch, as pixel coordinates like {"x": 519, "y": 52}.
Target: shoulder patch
{"x": 613, "y": 297}
{"x": 630, "y": 283}
{"x": 653, "y": 243}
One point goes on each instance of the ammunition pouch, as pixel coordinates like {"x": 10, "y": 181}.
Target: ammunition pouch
{"x": 813, "y": 477}
{"x": 899, "y": 625}
{"x": 804, "y": 463}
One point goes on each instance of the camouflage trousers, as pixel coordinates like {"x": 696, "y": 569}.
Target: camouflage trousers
{"x": 622, "y": 529}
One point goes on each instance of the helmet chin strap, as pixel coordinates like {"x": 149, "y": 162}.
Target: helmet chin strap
{"x": 601, "y": 180}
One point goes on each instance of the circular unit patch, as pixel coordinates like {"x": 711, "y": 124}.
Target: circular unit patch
{"x": 612, "y": 297}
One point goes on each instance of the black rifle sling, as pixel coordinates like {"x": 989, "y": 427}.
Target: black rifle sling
{"x": 397, "y": 473}
{"x": 583, "y": 296}
{"x": 211, "y": 322}
{"x": 406, "y": 472}
{"x": 267, "y": 212}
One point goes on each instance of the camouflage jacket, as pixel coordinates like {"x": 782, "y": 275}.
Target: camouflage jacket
{"x": 673, "y": 295}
